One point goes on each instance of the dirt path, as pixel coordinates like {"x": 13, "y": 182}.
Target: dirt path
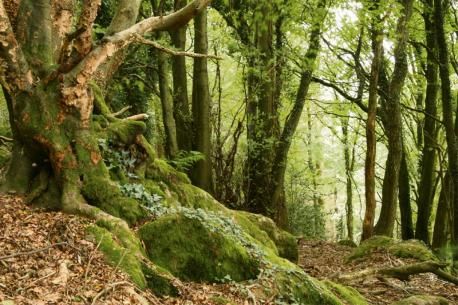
{"x": 325, "y": 260}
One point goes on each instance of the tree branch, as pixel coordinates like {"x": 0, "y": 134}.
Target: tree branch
{"x": 164, "y": 49}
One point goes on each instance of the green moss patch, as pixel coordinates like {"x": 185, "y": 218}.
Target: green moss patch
{"x": 106, "y": 195}
{"x": 191, "y": 251}
{"x": 284, "y": 241}
{"x": 345, "y": 293}
{"x": 403, "y": 249}
{"x": 121, "y": 248}
{"x": 117, "y": 255}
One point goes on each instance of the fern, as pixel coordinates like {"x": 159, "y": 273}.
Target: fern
{"x": 186, "y": 159}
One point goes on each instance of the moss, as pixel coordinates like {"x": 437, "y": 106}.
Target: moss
{"x": 185, "y": 247}
{"x": 345, "y": 293}
{"x": 107, "y": 196}
{"x": 370, "y": 245}
{"x": 5, "y": 156}
{"x": 122, "y": 248}
{"x": 404, "y": 249}
{"x": 423, "y": 300}
{"x": 348, "y": 243}
{"x": 116, "y": 254}
{"x": 253, "y": 230}
{"x": 412, "y": 249}
{"x": 220, "y": 300}
{"x": 125, "y": 131}
{"x": 294, "y": 287}
{"x": 193, "y": 197}
{"x": 160, "y": 170}
{"x": 284, "y": 241}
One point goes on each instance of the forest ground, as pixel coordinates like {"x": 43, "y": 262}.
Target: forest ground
{"x": 72, "y": 271}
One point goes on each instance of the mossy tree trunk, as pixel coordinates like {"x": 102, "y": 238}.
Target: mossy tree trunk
{"x": 50, "y": 78}
{"x": 428, "y": 158}
{"x": 392, "y": 122}
{"x": 202, "y": 172}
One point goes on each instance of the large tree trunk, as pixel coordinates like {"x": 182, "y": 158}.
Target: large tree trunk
{"x": 51, "y": 89}
{"x": 428, "y": 158}
{"x": 447, "y": 106}
{"x": 201, "y": 174}
{"x": 392, "y": 121}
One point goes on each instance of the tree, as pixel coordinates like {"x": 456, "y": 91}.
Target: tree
{"x": 201, "y": 174}
{"x": 54, "y": 78}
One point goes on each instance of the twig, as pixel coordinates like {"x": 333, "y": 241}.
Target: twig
{"x": 160, "y": 47}
{"x": 121, "y": 111}
{"x": 90, "y": 260}
{"x": 32, "y": 251}
{"x": 107, "y": 289}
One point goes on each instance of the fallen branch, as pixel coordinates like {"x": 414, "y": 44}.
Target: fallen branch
{"x": 404, "y": 272}
{"x": 107, "y": 289}
{"x": 32, "y": 251}
{"x": 138, "y": 117}
{"x": 140, "y": 39}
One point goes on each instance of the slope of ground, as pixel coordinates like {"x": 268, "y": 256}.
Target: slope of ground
{"x": 45, "y": 259}
{"x": 325, "y": 260}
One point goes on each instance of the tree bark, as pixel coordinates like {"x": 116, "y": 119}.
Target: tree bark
{"x": 392, "y": 121}
{"x": 405, "y": 208}
{"x": 371, "y": 140}
{"x": 201, "y": 174}
{"x": 447, "y": 106}
{"x": 428, "y": 158}
{"x": 181, "y": 110}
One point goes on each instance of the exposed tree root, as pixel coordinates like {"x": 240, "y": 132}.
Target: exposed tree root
{"x": 403, "y": 272}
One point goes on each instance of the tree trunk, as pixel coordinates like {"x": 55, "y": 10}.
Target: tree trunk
{"x": 447, "y": 106}
{"x": 51, "y": 87}
{"x": 181, "y": 110}
{"x": 348, "y": 173}
{"x": 428, "y": 158}
{"x": 170, "y": 130}
{"x": 404, "y": 200}
{"x": 371, "y": 139}
{"x": 282, "y": 149}
{"x": 201, "y": 174}
{"x": 392, "y": 121}
{"x": 442, "y": 222}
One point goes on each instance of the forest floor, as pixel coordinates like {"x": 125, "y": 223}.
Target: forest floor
{"x": 45, "y": 259}
{"x": 326, "y": 260}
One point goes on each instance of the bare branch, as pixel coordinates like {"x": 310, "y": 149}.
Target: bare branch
{"x": 164, "y": 49}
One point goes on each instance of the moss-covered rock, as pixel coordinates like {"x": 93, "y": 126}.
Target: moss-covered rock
{"x": 192, "y": 251}
{"x": 348, "y": 294}
{"x": 403, "y": 249}
{"x": 107, "y": 196}
{"x": 284, "y": 241}
{"x": 423, "y": 300}
{"x": 122, "y": 248}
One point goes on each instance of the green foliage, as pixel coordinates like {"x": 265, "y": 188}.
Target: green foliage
{"x": 152, "y": 202}
{"x": 118, "y": 158}
{"x": 185, "y": 160}
{"x": 307, "y": 220}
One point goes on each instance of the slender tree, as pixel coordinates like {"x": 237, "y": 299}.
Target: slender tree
{"x": 201, "y": 174}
